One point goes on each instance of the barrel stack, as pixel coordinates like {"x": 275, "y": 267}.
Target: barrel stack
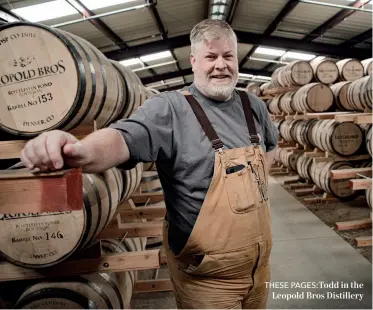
{"x": 306, "y": 98}
{"x": 63, "y": 82}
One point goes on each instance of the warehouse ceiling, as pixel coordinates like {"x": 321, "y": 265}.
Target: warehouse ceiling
{"x": 152, "y": 37}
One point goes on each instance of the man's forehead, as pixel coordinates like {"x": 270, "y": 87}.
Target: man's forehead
{"x": 221, "y": 45}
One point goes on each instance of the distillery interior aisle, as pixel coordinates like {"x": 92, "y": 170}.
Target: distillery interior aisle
{"x": 307, "y": 252}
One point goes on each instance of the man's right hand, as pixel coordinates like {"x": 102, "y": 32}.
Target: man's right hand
{"x": 52, "y": 150}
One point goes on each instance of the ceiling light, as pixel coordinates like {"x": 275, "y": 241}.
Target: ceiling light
{"x": 262, "y": 77}
{"x": 270, "y": 51}
{"x": 156, "y": 56}
{"x": 46, "y": 11}
{"x": 130, "y": 62}
{"x": 301, "y": 56}
{"x": 98, "y": 4}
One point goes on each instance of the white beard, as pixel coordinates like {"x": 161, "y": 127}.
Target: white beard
{"x": 222, "y": 91}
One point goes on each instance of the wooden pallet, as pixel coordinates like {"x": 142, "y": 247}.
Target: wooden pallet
{"x": 327, "y": 198}
{"x": 279, "y": 90}
{"x": 139, "y": 260}
{"x": 357, "y": 118}
{"x": 362, "y": 241}
{"x": 321, "y": 156}
{"x": 350, "y": 173}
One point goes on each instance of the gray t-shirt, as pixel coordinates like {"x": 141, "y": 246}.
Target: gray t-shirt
{"x": 165, "y": 130}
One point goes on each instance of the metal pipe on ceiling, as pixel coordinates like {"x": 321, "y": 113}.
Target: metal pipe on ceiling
{"x": 337, "y": 6}
{"x": 269, "y": 60}
{"x": 155, "y": 66}
{"x": 76, "y": 21}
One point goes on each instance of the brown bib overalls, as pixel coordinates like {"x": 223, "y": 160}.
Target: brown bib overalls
{"x": 225, "y": 262}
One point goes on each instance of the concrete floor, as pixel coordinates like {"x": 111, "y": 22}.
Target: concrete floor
{"x": 304, "y": 250}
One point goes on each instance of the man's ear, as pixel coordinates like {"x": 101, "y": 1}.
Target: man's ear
{"x": 192, "y": 61}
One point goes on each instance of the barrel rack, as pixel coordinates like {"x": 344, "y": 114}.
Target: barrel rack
{"x": 300, "y": 186}
{"x": 91, "y": 260}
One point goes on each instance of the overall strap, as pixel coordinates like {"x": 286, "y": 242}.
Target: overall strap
{"x": 205, "y": 123}
{"x": 254, "y": 138}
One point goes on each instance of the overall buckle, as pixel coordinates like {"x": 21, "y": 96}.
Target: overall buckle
{"x": 218, "y": 145}
{"x": 255, "y": 139}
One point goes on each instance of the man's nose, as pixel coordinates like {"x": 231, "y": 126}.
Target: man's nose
{"x": 220, "y": 63}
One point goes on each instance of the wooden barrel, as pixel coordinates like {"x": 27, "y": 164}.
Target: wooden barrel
{"x": 287, "y": 130}
{"x": 296, "y": 73}
{"x": 359, "y": 94}
{"x": 265, "y": 86}
{"x": 325, "y": 70}
{"x": 293, "y": 159}
{"x": 285, "y": 103}
{"x": 321, "y": 176}
{"x": 301, "y": 132}
{"x": 367, "y": 64}
{"x": 350, "y": 69}
{"x": 368, "y": 195}
{"x": 273, "y": 105}
{"x": 303, "y": 166}
{"x": 99, "y": 291}
{"x": 150, "y": 182}
{"x": 344, "y": 139}
{"x": 253, "y": 88}
{"x": 131, "y": 181}
{"x": 340, "y": 96}
{"x": 284, "y": 156}
{"x": 31, "y": 81}
{"x": 276, "y": 79}
{"x": 37, "y": 240}
{"x": 314, "y": 97}
{"x": 134, "y": 89}
{"x": 368, "y": 141}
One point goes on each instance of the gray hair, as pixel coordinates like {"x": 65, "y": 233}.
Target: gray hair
{"x": 211, "y": 29}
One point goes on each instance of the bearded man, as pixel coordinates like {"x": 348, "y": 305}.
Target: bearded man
{"x": 213, "y": 146}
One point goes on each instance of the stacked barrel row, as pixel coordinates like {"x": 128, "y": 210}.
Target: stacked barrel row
{"x": 343, "y": 139}
{"x": 320, "y": 173}
{"x": 317, "y": 97}
{"x": 319, "y": 70}
{"x": 88, "y": 291}
{"x": 62, "y": 81}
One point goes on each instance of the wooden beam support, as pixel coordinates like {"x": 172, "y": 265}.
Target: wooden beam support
{"x": 144, "y": 212}
{"x": 139, "y": 229}
{"x": 23, "y": 191}
{"x": 350, "y": 173}
{"x": 363, "y": 241}
{"x": 359, "y": 118}
{"x": 140, "y": 260}
{"x": 151, "y": 286}
{"x": 355, "y": 224}
{"x": 308, "y": 191}
{"x": 300, "y": 186}
{"x": 333, "y": 157}
{"x": 151, "y": 198}
{"x": 358, "y": 184}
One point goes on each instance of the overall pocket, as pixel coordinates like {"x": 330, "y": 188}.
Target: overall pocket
{"x": 240, "y": 191}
